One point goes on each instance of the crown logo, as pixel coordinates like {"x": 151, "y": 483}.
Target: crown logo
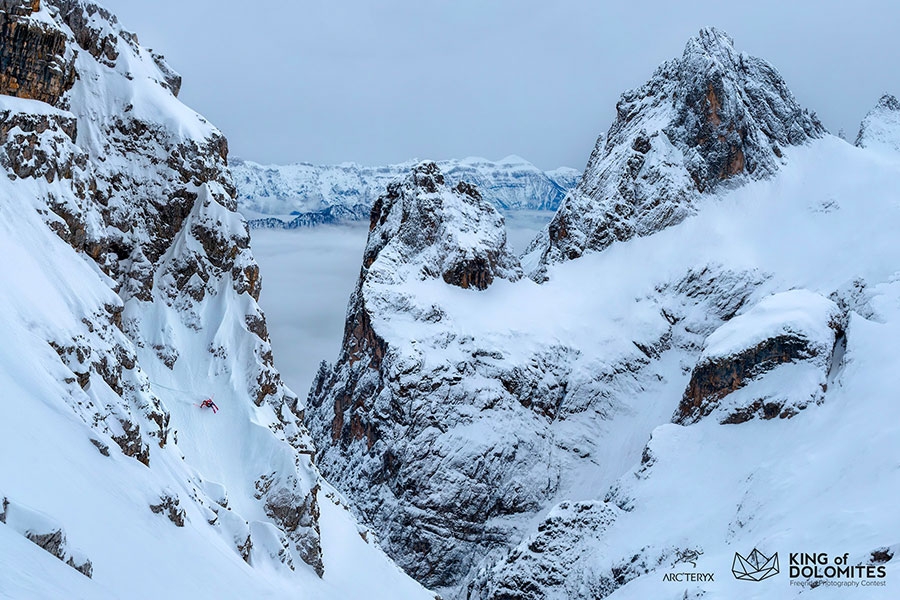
{"x": 755, "y": 567}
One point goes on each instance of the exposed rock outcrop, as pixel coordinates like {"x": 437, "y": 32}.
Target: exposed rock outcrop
{"x": 420, "y": 229}
{"x": 710, "y": 118}
{"x": 20, "y": 8}
{"x": 791, "y": 327}
{"x": 451, "y": 233}
{"x": 422, "y": 233}
{"x": 170, "y": 505}
{"x": 44, "y": 532}
{"x": 296, "y": 513}
{"x": 95, "y": 29}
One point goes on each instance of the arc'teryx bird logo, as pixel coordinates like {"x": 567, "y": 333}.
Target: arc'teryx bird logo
{"x": 755, "y": 567}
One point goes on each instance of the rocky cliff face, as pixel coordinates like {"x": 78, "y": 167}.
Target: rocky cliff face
{"x": 138, "y": 186}
{"x": 710, "y": 118}
{"x": 343, "y": 193}
{"x": 880, "y": 130}
{"x": 36, "y": 59}
{"x": 421, "y": 229}
{"x": 452, "y": 418}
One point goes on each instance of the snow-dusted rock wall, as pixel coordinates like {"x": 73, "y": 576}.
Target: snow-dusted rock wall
{"x": 37, "y": 57}
{"x": 780, "y": 347}
{"x": 139, "y": 184}
{"x": 44, "y": 532}
{"x": 365, "y": 409}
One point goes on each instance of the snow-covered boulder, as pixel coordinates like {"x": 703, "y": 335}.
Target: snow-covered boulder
{"x": 880, "y": 129}
{"x": 710, "y": 118}
{"x": 772, "y": 360}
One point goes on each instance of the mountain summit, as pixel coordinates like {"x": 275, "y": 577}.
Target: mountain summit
{"x": 710, "y": 118}
{"x": 448, "y": 232}
{"x": 880, "y": 129}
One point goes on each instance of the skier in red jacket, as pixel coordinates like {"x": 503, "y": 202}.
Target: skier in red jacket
{"x": 208, "y": 403}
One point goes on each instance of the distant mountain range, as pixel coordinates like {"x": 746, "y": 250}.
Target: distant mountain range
{"x": 306, "y": 195}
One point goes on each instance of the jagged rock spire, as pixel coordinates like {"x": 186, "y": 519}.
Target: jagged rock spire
{"x": 710, "y": 117}
{"x": 421, "y": 230}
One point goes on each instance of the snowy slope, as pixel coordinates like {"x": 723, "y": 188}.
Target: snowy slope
{"x": 304, "y": 195}
{"x": 497, "y": 438}
{"x": 130, "y": 296}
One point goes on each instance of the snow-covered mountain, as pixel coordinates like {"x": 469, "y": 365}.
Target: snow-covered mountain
{"x": 713, "y": 118}
{"x": 699, "y": 366}
{"x": 129, "y": 297}
{"x": 313, "y": 195}
{"x": 880, "y": 130}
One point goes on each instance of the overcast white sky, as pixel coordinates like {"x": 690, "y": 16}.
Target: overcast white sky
{"x": 328, "y": 81}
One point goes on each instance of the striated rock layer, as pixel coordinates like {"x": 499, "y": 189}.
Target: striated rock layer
{"x": 791, "y": 328}
{"x": 37, "y": 61}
